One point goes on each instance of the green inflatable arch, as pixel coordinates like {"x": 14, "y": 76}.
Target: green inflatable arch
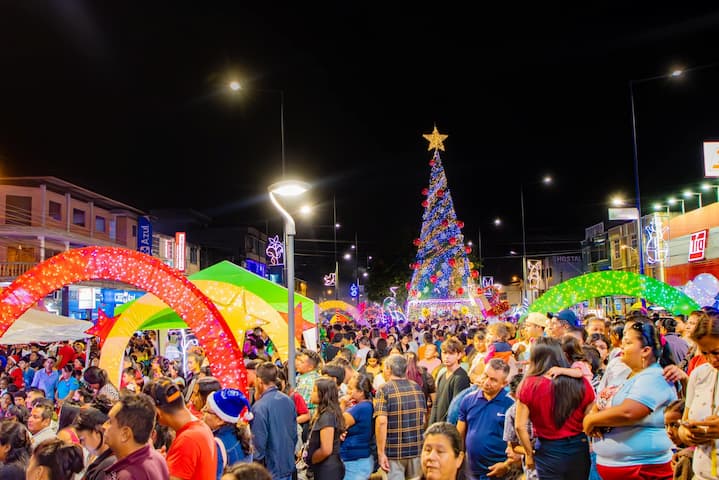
{"x": 611, "y": 282}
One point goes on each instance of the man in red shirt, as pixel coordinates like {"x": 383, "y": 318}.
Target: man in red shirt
{"x": 65, "y": 353}
{"x": 193, "y": 453}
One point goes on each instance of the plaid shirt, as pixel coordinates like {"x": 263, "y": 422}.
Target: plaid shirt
{"x": 404, "y": 405}
{"x": 305, "y": 384}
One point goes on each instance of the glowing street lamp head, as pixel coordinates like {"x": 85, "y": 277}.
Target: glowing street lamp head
{"x": 687, "y": 193}
{"x": 547, "y": 179}
{"x": 657, "y": 206}
{"x": 235, "y": 85}
{"x": 305, "y": 209}
{"x": 289, "y": 188}
{"x": 672, "y": 201}
{"x": 617, "y": 201}
{"x": 497, "y": 221}
{"x": 677, "y": 73}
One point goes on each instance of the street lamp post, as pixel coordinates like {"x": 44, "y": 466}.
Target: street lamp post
{"x": 708, "y": 186}
{"x": 640, "y": 240}
{"x": 672, "y": 201}
{"x": 335, "y": 226}
{"x": 236, "y": 86}
{"x": 546, "y": 180}
{"x": 689, "y": 194}
{"x": 289, "y": 188}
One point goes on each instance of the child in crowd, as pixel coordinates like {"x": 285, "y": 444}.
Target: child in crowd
{"x": 575, "y": 355}
{"x": 498, "y": 347}
{"x": 514, "y": 448}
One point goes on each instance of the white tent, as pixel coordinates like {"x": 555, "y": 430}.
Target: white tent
{"x": 38, "y": 326}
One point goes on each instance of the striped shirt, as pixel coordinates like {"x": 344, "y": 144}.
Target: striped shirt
{"x": 405, "y": 407}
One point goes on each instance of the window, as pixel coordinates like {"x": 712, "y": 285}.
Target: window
{"x": 193, "y": 255}
{"x": 78, "y": 217}
{"x": 100, "y": 224}
{"x": 134, "y": 231}
{"x": 617, "y": 249}
{"x": 55, "y": 210}
{"x": 18, "y": 210}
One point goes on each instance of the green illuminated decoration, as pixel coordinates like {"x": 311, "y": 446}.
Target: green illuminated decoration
{"x": 610, "y": 282}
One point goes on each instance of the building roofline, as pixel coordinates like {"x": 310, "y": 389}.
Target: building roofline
{"x": 63, "y": 186}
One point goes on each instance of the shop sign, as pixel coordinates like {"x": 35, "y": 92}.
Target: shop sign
{"x": 180, "y": 251}
{"x": 697, "y": 245}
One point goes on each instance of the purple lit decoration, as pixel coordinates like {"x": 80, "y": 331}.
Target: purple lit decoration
{"x": 275, "y": 251}
{"x": 330, "y": 279}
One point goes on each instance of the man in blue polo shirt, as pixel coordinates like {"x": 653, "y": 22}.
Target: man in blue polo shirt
{"x": 481, "y": 424}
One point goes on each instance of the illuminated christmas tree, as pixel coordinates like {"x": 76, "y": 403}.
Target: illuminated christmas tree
{"x": 443, "y": 277}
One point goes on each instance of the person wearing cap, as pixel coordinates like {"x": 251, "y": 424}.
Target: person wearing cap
{"x": 15, "y": 371}
{"x": 222, "y": 412}
{"x": 562, "y": 323}
{"x": 193, "y": 453}
{"x": 534, "y": 327}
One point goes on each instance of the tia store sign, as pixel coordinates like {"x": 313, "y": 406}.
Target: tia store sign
{"x": 697, "y": 245}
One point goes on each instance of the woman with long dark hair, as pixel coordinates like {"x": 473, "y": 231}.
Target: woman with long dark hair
{"x": 421, "y": 377}
{"x": 323, "y": 448}
{"x": 628, "y": 418}
{"x": 98, "y": 380}
{"x": 53, "y": 459}
{"x": 556, "y": 406}
{"x": 15, "y": 445}
{"x": 700, "y": 424}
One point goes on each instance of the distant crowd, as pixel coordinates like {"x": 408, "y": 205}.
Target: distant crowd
{"x": 440, "y": 398}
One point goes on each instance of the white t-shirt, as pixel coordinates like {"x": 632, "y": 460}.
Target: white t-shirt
{"x": 702, "y": 391}
{"x": 362, "y": 355}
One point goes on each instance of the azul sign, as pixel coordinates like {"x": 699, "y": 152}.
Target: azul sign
{"x": 144, "y": 235}
{"x": 698, "y": 245}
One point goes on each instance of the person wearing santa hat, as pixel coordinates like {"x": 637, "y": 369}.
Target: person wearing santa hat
{"x": 223, "y": 413}
{"x": 15, "y": 371}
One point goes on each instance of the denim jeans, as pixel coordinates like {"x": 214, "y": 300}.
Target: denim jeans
{"x": 563, "y": 459}
{"x": 359, "y": 469}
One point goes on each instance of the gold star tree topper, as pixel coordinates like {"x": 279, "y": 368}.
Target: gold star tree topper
{"x": 435, "y": 139}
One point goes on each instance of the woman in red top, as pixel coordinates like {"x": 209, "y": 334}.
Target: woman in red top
{"x": 556, "y": 406}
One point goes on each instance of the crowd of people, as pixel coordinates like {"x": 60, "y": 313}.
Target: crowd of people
{"x": 553, "y": 397}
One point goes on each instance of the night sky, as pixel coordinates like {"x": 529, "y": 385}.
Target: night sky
{"x": 130, "y": 99}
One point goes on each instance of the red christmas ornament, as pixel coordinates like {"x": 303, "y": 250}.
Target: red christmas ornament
{"x": 433, "y": 278}
{"x": 452, "y": 240}
{"x": 417, "y": 242}
{"x": 425, "y": 191}
{"x": 445, "y": 223}
{"x": 452, "y": 262}
{"x": 440, "y": 193}
{"x": 432, "y": 163}
{"x": 468, "y": 249}
{"x": 407, "y": 285}
{"x": 480, "y": 290}
{"x": 460, "y": 291}
{"x": 460, "y": 224}
{"x": 425, "y": 203}
{"x": 475, "y": 274}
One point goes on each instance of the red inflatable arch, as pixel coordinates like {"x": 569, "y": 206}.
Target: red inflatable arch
{"x": 145, "y": 272}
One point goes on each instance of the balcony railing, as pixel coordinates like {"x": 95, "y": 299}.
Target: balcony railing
{"x": 14, "y": 269}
